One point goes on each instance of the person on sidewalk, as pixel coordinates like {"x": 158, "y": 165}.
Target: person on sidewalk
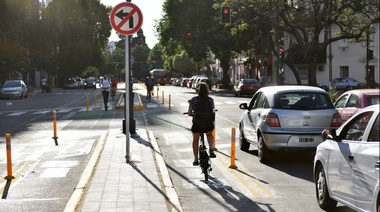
{"x": 105, "y": 84}
{"x": 43, "y": 85}
{"x": 195, "y": 103}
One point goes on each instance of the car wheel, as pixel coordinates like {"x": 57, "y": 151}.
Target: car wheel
{"x": 322, "y": 193}
{"x": 244, "y": 145}
{"x": 26, "y": 96}
{"x": 262, "y": 151}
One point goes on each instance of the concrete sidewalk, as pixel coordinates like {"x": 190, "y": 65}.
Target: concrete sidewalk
{"x": 109, "y": 183}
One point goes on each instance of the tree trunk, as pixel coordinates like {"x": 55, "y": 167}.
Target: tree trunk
{"x": 312, "y": 58}
{"x": 295, "y": 72}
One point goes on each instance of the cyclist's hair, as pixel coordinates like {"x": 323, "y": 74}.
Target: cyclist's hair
{"x": 203, "y": 90}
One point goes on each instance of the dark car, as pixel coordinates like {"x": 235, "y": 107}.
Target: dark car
{"x": 247, "y": 87}
{"x": 90, "y": 82}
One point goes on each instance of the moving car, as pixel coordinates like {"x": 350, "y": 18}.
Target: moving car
{"x": 14, "y": 88}
{"x": 90, "y": 82}
{"x": 286, "y": 118}
{"x": 352, "y": 101}
{"x": 247, "y": 87}
{"x": 347, "y": 164}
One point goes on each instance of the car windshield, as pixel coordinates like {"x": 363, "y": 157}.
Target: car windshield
{"x": 303, "y": 101}
{"x": 12, "y": 84}
{"x": 90, "y": 79}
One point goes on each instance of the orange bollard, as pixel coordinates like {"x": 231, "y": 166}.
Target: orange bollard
{"x": 214, "y": 139}
{"x": 55, "y": 127}
{"x": 9, "y": 157}
{"x": 233, "y": 135}
{"x": 170, "y": 102}
{"x": 87, "y": 104}
{"x": 162, "y": 102}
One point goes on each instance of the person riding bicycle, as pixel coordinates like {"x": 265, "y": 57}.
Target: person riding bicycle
{"x": 105, "y": 84}
{"x": 203, "y": 96}
{"x": 149, "y": 83}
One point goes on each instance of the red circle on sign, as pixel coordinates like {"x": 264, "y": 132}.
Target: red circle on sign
{"x": 121, "y": 24}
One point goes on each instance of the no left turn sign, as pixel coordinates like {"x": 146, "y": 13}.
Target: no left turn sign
{"x": 126, "y": 18}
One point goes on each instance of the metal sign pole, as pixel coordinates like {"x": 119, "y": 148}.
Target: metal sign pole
{"x": 127, "y": 93}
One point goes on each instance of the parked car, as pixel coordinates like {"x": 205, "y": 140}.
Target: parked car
{"x": 286, "y": 118}
{"x": 342, "y": 83}
{"x": 14, "y": 88}
{"x": 90, "y": 82}
{"x": 347, "y": 164}
{"x": 247, "y": 87}
{"x": 352, "y": 101}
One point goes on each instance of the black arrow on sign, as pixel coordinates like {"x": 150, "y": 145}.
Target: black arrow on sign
{"x": 122, "y": 15}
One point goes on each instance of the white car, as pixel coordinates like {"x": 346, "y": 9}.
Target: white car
{"x": 347, "y": 163}
{"x": 14, "y": 88}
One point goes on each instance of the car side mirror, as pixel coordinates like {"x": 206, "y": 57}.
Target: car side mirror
{"x": 329, "y": 134}
{"x": 243, "y": 106}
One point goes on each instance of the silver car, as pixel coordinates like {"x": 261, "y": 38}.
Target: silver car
{"x": 286, "y": 117}
{"x": 347, "y": 164}
{"x": 14, "y": 88}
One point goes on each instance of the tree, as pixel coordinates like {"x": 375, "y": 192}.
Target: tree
{"x": 309, "y": 24}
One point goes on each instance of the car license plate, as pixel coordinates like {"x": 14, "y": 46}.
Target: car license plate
{"x": 306, "y": 140}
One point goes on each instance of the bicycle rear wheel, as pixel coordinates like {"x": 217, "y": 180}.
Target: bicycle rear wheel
{"x": 205, "y": 164}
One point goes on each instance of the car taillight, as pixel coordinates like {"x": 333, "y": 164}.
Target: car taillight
{"x": 272, "y": 120}
{"x": 336, "y": 120}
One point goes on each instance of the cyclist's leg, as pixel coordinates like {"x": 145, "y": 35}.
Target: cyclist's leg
{"x": 195, "y": 146}
{"x": 210, "y": 139}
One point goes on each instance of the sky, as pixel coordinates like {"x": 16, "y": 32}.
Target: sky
{"x": 151, "y": 11}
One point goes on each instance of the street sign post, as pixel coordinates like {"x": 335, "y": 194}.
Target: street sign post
{"x": 126, "y": 18}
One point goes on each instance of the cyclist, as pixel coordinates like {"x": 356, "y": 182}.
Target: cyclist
{"x": 203, "y": 93}
{"x": 113, "y": 86}
{"x": 149, "y": 83}
{"x": 105, "y": 84}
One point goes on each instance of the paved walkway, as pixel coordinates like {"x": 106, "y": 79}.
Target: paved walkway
{"x": 143, "y": 184}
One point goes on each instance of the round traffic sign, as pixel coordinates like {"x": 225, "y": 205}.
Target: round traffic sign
{"x": 126, "y": 18}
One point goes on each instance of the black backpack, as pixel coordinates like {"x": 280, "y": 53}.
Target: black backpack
{"x": 204, "y": 113}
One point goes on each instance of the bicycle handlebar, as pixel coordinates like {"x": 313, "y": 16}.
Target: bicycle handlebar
{"x": 185, "y": 113}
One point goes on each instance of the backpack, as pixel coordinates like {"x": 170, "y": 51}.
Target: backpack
{"x": 204, "y": 113}
{"x": 149, "y": 82}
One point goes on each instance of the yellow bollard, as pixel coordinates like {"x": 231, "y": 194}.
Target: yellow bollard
{"x": 170, "y": 102}
{"x": 233, "y": 135}
{"x": 9, "y": 157}
{"x": 157, "y": 92}
{"x": 95, "y": 100}
{"x": 162, "y": 102}
{"x": 55, "y": 127}
{"x": 87, "y": 104}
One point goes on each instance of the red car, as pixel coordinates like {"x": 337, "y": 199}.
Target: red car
{"x": 247, "y": 87}
{"x": 352, "y": 101}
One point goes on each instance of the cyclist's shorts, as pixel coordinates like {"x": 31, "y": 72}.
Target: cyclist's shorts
{"x": 150, "y": 88}
{"x": 196, "y": 129}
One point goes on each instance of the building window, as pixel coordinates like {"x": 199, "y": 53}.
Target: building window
{"x": 344, "y": 71}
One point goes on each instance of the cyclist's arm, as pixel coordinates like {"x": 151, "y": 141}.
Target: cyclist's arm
{"x": 190, "y": 110}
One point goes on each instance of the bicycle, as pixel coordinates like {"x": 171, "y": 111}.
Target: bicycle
{"x": 204, "y": 158}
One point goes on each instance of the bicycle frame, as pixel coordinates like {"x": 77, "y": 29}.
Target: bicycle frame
{"x": 204, "y": 159}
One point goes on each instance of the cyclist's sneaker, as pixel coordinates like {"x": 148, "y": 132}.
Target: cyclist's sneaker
{"x": 212, "y": 154}
{"x": 196, "y": 163}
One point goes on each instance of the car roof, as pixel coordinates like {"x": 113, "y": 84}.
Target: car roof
{"x": 271, "y": 90}
{"x": 364, "y": 91}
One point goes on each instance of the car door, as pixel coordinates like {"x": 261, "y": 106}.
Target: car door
{"x": 342, "y": 161}
{"x": 248, "y": 120}
{"x": 367, "y": 165}
{"x": 256, "y": 115}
